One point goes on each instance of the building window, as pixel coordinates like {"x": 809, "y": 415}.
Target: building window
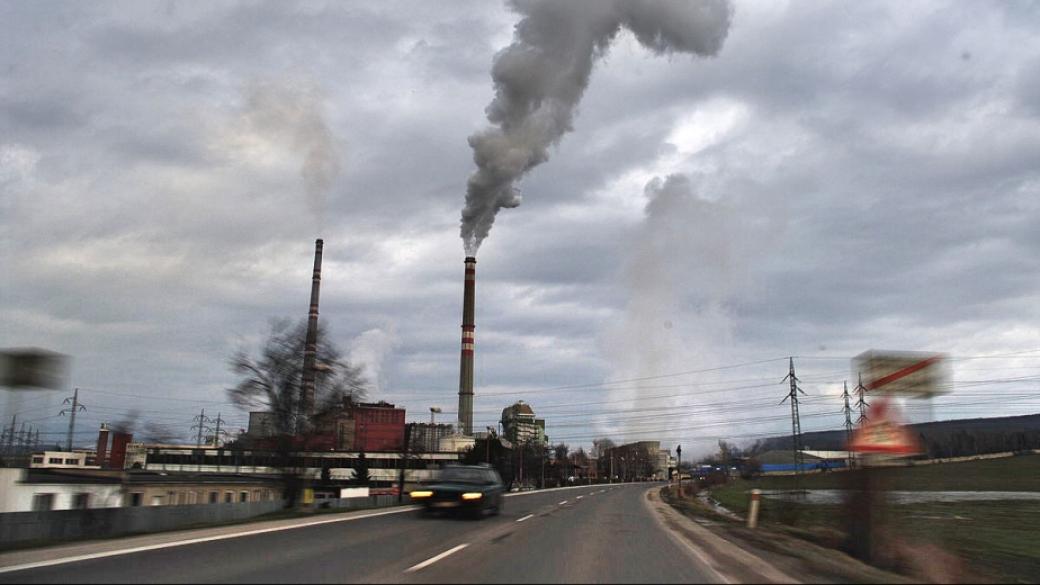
{"x": 81, "y": 501}
{"x": 135, "y": 499}
{"x": 213, "y": 497}
{"x": 37, "y": 459}
{"x": 55, "y": 460}
{"x": 243, "y": 497}
{"x": 43, "y": 502}
{"x": 72, "y": 462}
{"x": 228, "y": 497}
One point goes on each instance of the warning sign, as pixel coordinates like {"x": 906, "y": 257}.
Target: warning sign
{"x": 883, "y": 433}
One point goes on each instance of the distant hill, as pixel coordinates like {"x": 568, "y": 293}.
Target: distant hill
{"x": 947, "y": 438}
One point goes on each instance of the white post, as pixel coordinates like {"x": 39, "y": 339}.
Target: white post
{"x": 752, "y": 517}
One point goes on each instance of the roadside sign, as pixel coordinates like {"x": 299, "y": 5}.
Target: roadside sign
{"x": 908, "y": 373}
{"x": 883, "y": 433}
{"x": 32, "y": 368}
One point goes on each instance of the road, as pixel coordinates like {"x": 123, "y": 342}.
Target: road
{"x": 587, "y": 534}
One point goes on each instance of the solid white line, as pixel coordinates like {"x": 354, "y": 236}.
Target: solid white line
{"x": 525, "y": 517}
{"x": 433, "y": 560}
{"x": 127, "y": 551}
{"x": 563, "y": 502}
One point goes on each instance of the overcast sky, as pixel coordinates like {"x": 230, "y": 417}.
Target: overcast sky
{"x": 840, "y": 177}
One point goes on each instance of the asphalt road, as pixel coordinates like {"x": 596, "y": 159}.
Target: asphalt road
{"x": 588, "y": 534}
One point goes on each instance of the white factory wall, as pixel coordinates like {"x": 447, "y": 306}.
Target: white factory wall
{"x": 16, "y": 496}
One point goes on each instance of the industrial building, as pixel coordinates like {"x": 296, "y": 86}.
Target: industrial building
{"x": 426, "y": 437}
{"x": 641, "y": 460}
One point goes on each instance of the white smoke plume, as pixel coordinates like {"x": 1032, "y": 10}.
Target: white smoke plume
{"x": 293, "y": 115}
{"x": 688, "y": 261}
{"x": 370, "y": 350}
{"x": 540, "y": 78}
{"x": 684, "y": 263}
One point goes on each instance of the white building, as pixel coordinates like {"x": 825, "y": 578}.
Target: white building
{"x": 21, "y": 490}
{"x": 63, "y": 460}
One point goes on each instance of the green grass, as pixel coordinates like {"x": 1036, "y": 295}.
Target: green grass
{"x": 999, "y": 540}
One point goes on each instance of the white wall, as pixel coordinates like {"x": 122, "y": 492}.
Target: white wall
{"x": 18, "y": 497}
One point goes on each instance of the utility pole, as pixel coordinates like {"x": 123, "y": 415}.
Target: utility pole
{"x": 796, "y": 423}
{"x": 404, "y": 461}
{"x": 76, "y": 407}
{"x": 861, "y": 404}
{"x": 848, "y": 421}
{"x": 36, "y": 440}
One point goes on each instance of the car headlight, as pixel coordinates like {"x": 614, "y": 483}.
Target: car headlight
{"x": 421, "y": 494}
{"x": 472, "y": 496}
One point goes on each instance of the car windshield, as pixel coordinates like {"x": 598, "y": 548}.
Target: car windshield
{"x": 464, "y": 475}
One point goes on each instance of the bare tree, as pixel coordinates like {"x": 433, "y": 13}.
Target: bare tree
{"x": 272, "y": 379}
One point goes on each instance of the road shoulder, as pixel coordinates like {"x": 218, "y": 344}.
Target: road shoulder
{"x": 784, "y": 555}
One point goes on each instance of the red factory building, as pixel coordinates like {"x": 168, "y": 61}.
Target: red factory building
{"x": 378, "y": 427}
{"x": 363, "y": 426}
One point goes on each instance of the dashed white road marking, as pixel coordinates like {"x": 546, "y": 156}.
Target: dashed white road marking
{"x": 525, "y": 517}
{"x": 579, "y": 497}
{"x": 433, "y": 560}
{"x": 562, "y": 503}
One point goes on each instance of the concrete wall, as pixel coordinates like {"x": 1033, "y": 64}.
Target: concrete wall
{"x": 58, "y": 525}
{"x": 28, "y": 527}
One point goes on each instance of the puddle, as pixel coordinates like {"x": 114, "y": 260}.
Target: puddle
{"x": 900, "y": 497}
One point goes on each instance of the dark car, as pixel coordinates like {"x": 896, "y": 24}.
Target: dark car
{"x": 473, "y": 489}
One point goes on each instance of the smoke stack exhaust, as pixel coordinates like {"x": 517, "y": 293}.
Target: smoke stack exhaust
{"x": 310, "y": 350}
{"x": 466, "y": 361}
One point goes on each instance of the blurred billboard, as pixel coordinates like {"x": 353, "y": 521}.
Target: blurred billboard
{"x": 909, "y": 373}
{"x": 32, "y": 368}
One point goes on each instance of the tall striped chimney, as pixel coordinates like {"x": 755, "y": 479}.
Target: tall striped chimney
{"x": 310, "y": 350}
{"x": 466, "y": 361}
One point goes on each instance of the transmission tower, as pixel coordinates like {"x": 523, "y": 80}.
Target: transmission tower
{"x": 796, "y": 423}
{"x": 8, "y": 441}
{"x": 216, "y": 433}
{"x": 861, "y": 404}
{"x": 76, "y": 407}
{"x": 848, "y": 419}
{"x": 201, "y": 422}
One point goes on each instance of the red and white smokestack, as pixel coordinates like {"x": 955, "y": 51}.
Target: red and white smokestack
{"x": 310, "y": 350}
{"x": 102, "y": 446}
{"x": 466, "y": 361}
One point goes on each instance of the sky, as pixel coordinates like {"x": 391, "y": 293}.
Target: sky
{"x": 839, "y": 177}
